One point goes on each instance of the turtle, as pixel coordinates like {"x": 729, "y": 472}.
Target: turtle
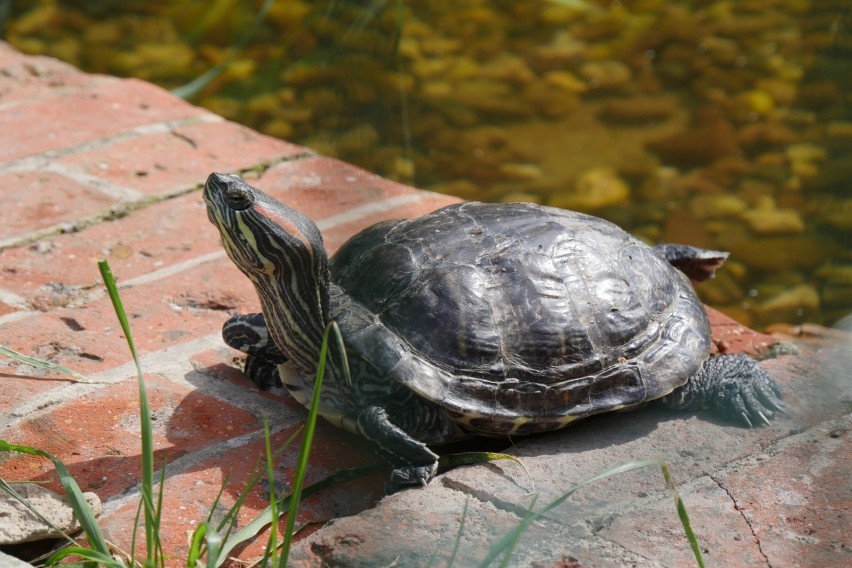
{"x": 476, "y": 320}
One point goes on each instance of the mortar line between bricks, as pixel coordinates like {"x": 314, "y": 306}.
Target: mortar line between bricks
{"x": 152, "y": 363}
{"x": 171, "y": 364}
{"x": 76, "y": 225}
{"x": 18, "y": 315}
{"x": 180, "y": 465}
{"x": 37, "y": 162}
{"x": 124, "y": 208}
{"x": 13, "y": 300}
{"x": 368, "y": 209}
{"x": 147, "y": 278}
{"x": 328, "y": 223}
{"x": 120, "y": 193}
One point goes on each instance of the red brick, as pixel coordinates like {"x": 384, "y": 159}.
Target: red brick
{"x": 799, "y": 502}
{"x": 196, "y": 490}
{"x": 336, "y": 236}
{"x": 88, "y": 339}
{"x": 162, "y": 162}
{"x": 60, "y": 338}
{"x": 730, "y": 336}
{"x": 320, "y": 187}
{"x": 42, "y": 199}
{"x": 23, "y": 78}
{"x": 88, "y": 114}
{"x": 146, "y": 240}
{"x": 97, "y": 436}
{"x": 162, "y": 235}
{"x": 723, "y": 535}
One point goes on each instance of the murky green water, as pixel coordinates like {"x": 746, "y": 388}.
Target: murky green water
{"x": 718, "y": 123}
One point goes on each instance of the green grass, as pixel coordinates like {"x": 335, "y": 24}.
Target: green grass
{"x": 211, "y": 544}
{"x": 507, "y": 544}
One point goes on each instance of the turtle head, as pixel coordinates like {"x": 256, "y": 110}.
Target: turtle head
{"x": 281, "y": 251}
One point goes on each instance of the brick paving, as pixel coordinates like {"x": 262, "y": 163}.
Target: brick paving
{"x": 95, "y": 167}
{"x": 101, "y": 168}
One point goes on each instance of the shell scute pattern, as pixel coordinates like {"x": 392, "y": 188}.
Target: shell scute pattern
{"x": 521, "y": 316}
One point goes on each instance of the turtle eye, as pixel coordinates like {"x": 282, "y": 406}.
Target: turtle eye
{"x": 239, "y": 198}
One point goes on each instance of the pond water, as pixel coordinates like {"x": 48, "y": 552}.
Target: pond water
{"x": 723, "y": 124}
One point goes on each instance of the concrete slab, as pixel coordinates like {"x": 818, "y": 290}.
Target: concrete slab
{"x": 755, "y": 497}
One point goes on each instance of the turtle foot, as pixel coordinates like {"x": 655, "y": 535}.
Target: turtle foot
{"x": 735, "y": 387}
{"x": 264, "y": 374}
{"x": 743, "y": 391}
{"x": 410, "y": 476}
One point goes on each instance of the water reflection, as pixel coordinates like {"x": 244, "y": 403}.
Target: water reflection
{"x": 720, "y": 124}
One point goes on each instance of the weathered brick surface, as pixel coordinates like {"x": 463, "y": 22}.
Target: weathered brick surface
{"x": 89, "y": 114}
{"x": 41, "y": 199}
{"x": 119, "y": 178}
{"x": 95, "y": 167}
{"x": 26, "y": 78}
{"x": 171, "y": 157}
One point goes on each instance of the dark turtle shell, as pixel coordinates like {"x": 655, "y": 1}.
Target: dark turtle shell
{"x": 518, "y": 318}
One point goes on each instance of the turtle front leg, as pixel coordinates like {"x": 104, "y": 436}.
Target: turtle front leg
{"x": 735, "y": 386}
{"x": 414, "y": 463}
{"x": 248, "y": 333}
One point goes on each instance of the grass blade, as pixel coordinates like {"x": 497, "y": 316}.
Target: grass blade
{"x": 42, "y": 364}
{"x": 11, "y": 491}
{"x": 307, "y": 442}
{"x": 683, "y": 515}
{"x": 471, "y": 458}
{"x": 204, "y": 537}
{"x": 271, "y": 546}
{"x": 195, "y": 546}
{"x": 265, "y": 517}
{"x": 510, "y": 539}
{"x": 457, "y": 542}
{"x": 78, "y": 503}
{"x": 214, "y": 545}
{"x": 522, "y": 527}
{"x": 151, "y": 515}
{"x": 194, "y": 87}
{"x": 88, "y": 554}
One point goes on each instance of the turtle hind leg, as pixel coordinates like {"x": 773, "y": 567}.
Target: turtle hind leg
{"x": 734, "y": 386}
{"x": 414, "y": 463}
{"x": 248, "y": 333}
{"x": 697, "y": 263}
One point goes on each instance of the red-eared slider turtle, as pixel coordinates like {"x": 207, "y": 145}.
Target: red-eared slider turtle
{"x": 477, "y": 319}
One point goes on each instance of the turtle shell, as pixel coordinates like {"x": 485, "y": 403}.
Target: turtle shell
{"x": 518, "y": 318}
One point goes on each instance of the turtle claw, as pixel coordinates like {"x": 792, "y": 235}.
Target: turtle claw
{"x": 781, "y": 408}
{"x": 410, "y": 476}
{"x": 736, "y": 387}
{"x": 745, "y": 390}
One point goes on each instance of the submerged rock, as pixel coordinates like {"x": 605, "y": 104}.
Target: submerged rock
{"x": 774, "y": 221}
{"x": 698, "y": 146}
{"x": 638, "y": 109}
{"x": 606, "y": 75}
{"x": 795, "y": 304}
{"x": 594, "y": 189}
